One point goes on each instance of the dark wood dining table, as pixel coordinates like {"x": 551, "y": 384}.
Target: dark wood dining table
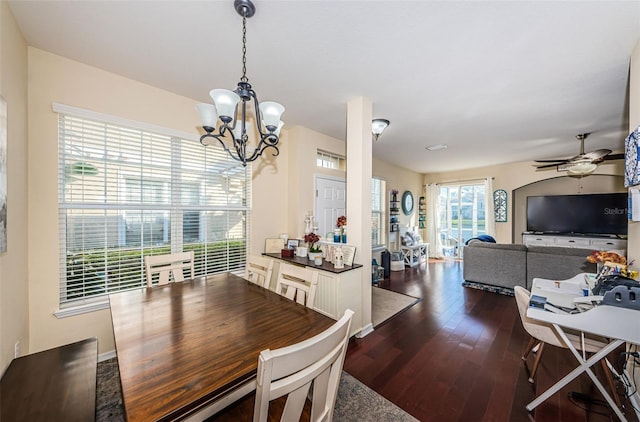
{"x": 182, "y": 346}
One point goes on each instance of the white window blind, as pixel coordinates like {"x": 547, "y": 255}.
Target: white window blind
{"x": 127, "y": 192}
{"x": 378, "y": 212}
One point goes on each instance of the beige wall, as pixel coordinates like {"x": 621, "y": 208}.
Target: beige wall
{"x": 401, "y": 179}
{"x": 515, "y": 175}
{"x": 269, "y": 201}
{"x": 303, "y": 170}
{"x": 56, "y": 79}
{"x": 14, "y": 310}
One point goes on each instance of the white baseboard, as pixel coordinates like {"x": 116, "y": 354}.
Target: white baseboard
{"x": 367, "y": 329}
{"x": 106, "y": 355}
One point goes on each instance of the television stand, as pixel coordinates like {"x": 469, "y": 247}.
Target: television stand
{"x": 569, "y": 241}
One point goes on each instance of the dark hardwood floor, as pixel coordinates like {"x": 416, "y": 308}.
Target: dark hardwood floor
{"x": 455, "y": 356}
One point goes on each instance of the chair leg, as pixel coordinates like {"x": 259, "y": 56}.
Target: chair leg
{"x": 536, "y": 362}
{"x": 530, "y": 346}
{"x": 612, "y": 385}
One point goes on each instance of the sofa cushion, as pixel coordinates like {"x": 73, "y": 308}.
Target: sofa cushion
{"x": 496, "y": 264}
{"x": 504, "y": 246}
{"x": 556, "y": 263}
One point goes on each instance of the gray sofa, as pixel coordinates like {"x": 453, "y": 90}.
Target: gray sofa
{"x": 510, "y": 265}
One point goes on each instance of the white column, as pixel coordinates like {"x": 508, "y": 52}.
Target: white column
{"x": 359, "y": 170}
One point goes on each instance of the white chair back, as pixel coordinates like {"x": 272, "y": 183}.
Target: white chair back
{"x": 291, "y": 370}
{"x": 536, "y": 329}
{"x": 297, "y": 283}
{"x": 258, "y": 270}
{"x": 168, "y": 268}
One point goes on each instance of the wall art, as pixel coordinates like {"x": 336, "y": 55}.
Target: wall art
{"x": 500, "y": 205}
{"x": 631, "y": 170}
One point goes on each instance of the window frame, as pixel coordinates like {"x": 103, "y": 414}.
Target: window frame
{"x": 239, "y": 206}
{"x": 381, "y": 212}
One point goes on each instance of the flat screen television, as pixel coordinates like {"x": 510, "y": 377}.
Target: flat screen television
{"x": 592, "y": 214}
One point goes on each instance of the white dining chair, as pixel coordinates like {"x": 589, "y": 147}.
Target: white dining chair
{"x": 168, "y": 268}
{"x": 258, "y": 270}
{"x": 543, "y": 333}
{"x": 288, "y": 373}
{"x": 297, "y": 283}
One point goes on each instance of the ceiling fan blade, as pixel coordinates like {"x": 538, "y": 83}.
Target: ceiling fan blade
{"x": 614, "y": 157}
{"x": 557, "y": 160}
{"x": 547, "y": 166}
{"x": 597, "y": 154}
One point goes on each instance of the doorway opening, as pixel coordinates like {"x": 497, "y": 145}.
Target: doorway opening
{"x": 461, "y": 215}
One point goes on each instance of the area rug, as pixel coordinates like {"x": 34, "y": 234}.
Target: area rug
{"x": 487, "y": 288}
{"x": 355, "y": 402}
{"x": 385, "y": 304}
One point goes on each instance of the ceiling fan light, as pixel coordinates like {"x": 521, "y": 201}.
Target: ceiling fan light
{"x": 581, "y": 168}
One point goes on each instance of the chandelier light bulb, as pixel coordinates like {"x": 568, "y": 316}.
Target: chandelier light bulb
{"x": 208, "y": 115}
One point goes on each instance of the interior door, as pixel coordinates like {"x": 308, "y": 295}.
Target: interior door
{"x": 330, "y": 203}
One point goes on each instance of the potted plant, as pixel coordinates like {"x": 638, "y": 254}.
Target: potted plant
{"x": 312, "y": 242}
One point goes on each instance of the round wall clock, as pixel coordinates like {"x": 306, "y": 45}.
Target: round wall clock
{"x": 407, "y": 202}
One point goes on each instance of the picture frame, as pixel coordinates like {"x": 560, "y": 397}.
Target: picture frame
{"x": 273, "y": 245}
{"x": 293, "y": 244}
{"x": 349, "y": 253}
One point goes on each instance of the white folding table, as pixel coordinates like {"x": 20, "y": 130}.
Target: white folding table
{"x": 618, "y": 324}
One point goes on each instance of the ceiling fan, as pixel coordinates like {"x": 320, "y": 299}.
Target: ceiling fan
{"x": 581, "y": 164}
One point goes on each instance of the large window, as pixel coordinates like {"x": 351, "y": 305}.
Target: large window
{"x": 378, "y": 212}
{"x": 462, "y": 215}
{"x": 126, "y": 192}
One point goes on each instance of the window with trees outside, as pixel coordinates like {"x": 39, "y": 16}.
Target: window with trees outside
{"x": 126, "y": 191}
{"x": 378, "y": 212}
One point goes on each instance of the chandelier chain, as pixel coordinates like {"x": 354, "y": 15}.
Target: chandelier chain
{"x": 234, "y": 107}
{"x": 244, "y": 50}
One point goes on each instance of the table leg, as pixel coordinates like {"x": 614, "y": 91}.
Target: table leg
{"x": 584, "y": 366}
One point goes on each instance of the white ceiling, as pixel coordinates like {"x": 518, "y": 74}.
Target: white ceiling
{"x": 498, "y": 81}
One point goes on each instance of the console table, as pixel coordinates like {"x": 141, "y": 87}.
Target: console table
{"x": 415, "y": 254}
{"x": 338, "y": 289}
{"x": 584, "y": 242}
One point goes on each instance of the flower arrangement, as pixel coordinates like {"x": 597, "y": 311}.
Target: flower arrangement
{"x": 341, "y": 223}
{"x": 602, "y": 257}
{"x": 311, "y": 240}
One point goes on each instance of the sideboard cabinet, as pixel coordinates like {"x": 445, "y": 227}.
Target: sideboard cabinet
{"x": 582, "y": 242}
